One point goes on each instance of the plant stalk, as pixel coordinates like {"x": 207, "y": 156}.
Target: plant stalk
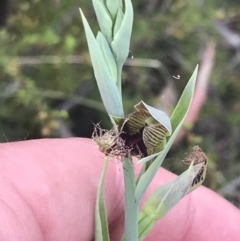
{"x": 131, "y": 205}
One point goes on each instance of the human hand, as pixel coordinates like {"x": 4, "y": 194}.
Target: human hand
{"x": 48, "y": 192}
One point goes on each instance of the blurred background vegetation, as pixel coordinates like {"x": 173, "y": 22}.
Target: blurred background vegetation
{"x": 48, "y": 88}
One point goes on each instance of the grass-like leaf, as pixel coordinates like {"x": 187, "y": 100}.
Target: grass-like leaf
{"x": 104, "y": 19}
{"x": 101, "y": 224}
{"x": 113, "y": 6}
{"x": 109, "y": 91}
{"x": 107, "y": 54}
{"x": 177, "y": 119}
{"x": 184, "y": 103}
{"x": 118, "y": 21}
{"x": 121, "y": 41}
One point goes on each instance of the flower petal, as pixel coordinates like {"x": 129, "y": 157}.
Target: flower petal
{"x": 135, "y": 121}
{"x": 160, "y": 116}
{"x": 154, "y": 135}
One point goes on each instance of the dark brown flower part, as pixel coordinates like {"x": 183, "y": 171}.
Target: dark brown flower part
{"x": 197, "y": 157}
{"x": 140, "y": 134}
{"x": 143, "y": 134}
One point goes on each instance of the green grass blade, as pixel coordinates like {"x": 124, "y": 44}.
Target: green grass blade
{"x": 101, "y": 224}
{"x": 177, "y": 120}
{"x": 110, "y": 94}
{"x": 113, "y": 6}
{"x": 121, "y": 41}
{"x": 104, "y": 19}
{"x": 118, "y": 21}
{"x": 184, "y": 103}
{"x": 107, "y": 54}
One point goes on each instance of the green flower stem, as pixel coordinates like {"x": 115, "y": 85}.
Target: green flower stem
{"x": 131, "y": 205}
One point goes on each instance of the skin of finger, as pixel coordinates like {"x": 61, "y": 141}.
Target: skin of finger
{"x": 58, "y": 180}
{"x": 17, "y": 221}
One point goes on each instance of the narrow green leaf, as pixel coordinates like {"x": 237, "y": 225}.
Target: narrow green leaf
{"x": 118, "y": 21}
{"x": 110, "y": 94}
{"x": 101, "y": 224}
{"x": 178, "y": 117}
{"x": 120, "y": 47}
{"x": 108, "y": 55}
{"x": 113, "y": 6}
{"x": 184, "y": 103}
{"x": 104, "y": 19}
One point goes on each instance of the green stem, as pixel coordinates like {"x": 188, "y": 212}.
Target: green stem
{"x": 131, "y": 205}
